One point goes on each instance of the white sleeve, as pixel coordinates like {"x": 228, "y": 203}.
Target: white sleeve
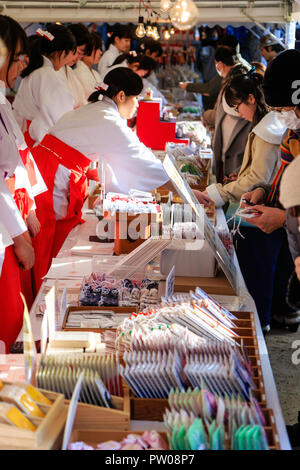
{"x": 53, "y": 99}
{"x": 104, "y": 63}
{"x": 10, "y": 215}
{"x": 131, "y": 165}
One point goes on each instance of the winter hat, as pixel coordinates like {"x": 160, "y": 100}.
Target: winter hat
{"x": 266, "y": 41}
{"x": 290, "y": 185}
{"x": 279, "y": 79}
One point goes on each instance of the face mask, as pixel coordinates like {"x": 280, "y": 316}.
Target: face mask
{"x": 290, "y": 119}
{"x": 218, "y": 71}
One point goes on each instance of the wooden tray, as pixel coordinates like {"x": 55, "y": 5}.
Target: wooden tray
{"x": 118, "y": 310}
{"x": 49, "y": 432}
{"x": 90, "y": 417}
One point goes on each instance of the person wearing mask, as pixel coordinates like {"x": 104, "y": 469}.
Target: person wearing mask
{"x": 281, "y": 94}
{"x": 290, "y": 201}
{"x": 260, "y": 164}
{"x": 120, "y": 42}
{"x": 43, "y": 96}
{"x": 84, "y": 71}
{"x": 96, "y": 132}
{"x": 269, "y": 47}
{"x": 210, "y": 88}
{"x": 261, "y": 159}
{"x": 231, "y": 130}
{"x": 16, "y": 251}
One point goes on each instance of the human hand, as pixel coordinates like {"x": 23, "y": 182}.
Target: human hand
{"x": 183, "y": 85}
{"x": 297, "y": 267}
{"x": 203, "y": 197}
{"x": 255, "y": 197}
{"x": 24, "y": 251}
{"x": 33, "y": 224}
{"x": 270, "y": 219}
{"x": 230, "y": 178}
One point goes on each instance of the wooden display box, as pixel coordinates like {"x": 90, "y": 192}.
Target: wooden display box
{"x": 91, "y": 417}
{"x": 204, "y": 182}
{"x": 93, "y": 196}
{"x": 124, "y": 243}
{"x": 118, "y": 310}
{"x": 49, "y": 432}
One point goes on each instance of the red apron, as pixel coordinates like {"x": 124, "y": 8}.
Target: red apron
{"x": 28, "y": 139}
{"x": 11, "y": 305}
{"x": 48, "y": 155}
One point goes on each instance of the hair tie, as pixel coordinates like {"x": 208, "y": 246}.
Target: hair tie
{"x": 103, "y": 87}
{"x": 251, "y": 71}
{"x": 45, "y": 34}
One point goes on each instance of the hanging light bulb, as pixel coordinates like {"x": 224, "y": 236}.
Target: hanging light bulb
{"x": 155, "y": 33}
{"x": 165, "y": 5}
{"x": 184, "y": 14}
{"x": 167, "y": 35}
{"x": 149, "y": 31}
{"x": 140, "y": 30}
{"x": 172, "y": 31}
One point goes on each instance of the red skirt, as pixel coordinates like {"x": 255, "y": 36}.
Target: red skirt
{"x": 48, "y": 155}
{"x": 11, "y": 305}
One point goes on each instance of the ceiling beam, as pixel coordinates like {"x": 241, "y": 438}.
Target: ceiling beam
{"x": 109, "y": 12}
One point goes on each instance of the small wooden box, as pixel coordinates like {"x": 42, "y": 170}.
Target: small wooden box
{"x": 119, "y": 310}
{"x": 90, "y": 417}
{"x": 124, "y": 243}
{"x": 93, "y": 196}
{"x": 49, "y": 432}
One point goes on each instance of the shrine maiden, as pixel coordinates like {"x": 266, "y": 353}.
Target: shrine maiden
{"x": 43, "y": 96}
{"x": 84, "y": 71}
{"x": 16, "y": 199}
{"x": 95, "y": 132}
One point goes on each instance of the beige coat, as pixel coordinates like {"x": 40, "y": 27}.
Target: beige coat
{"x": 260, "y": 162}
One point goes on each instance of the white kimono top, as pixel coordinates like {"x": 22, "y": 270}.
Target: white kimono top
{"x": 101, "y": 134}
{"x": 89, "y": 78}
{"x": 75, "y": 87}
{"x": 108, "y": 59}
{"x": 43, "y": 97}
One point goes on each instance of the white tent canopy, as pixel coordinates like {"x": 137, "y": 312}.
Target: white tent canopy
{"x": 210, "y": 11}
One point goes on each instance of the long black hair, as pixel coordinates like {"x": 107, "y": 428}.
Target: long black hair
{"x": 119, "y": 79}
{"x": 145, "y": 62}
{"x": 150, "y": 45}
{"x": 63, "y": 41}
{"x": 95, "y": 41}
{"x": 12, "y": 34}
{"x": 241, "y": 86}
{"x": 82, "y": 36}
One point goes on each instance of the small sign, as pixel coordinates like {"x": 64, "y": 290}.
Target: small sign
{"x": 72, "y": 412}
{"x": 170, "y": 283}
{"x": 30, "y": 355}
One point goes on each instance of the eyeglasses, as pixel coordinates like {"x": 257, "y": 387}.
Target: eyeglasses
{"x": 236, "y": 107}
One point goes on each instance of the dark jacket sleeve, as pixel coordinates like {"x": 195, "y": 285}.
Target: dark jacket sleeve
{"x": 293, "y": 235}
{"x": 211, "y": 87}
